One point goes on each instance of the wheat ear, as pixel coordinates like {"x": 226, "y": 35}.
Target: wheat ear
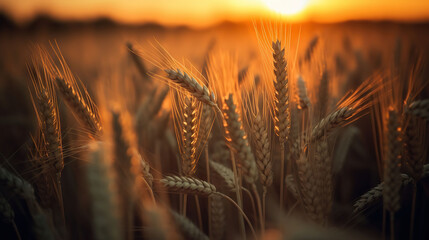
{"x": 138, "y": 62}
{"x": 281, "y": 97}
{"x": 145, "y": 169}
{"x": 217, "y": 217}
{"x": 413, "y": 149}
{"x": 308, "y": 190}
{"x": 291, "y": 186}
{"x": 323, "y": 95}
{"x": 324, "y": 173}
{"x": 15, "y": 185}
{"x": 191, "y": 85}
{"x": 101, "y": 190}
{"x": 81, "y": 108}
{"x": 239, "y": 141}
{"x": 50, "y": 128}
{"x": 310, "y": 48}
{"x": 263, "y": 152}
{"x": 392, "y": 177}
{"x": 6, "y": 211}
{"x": 419, "y": 108}
{"x": 188, "y": 229}
{"x": 190, "y": 136}
{"x": 127, "y": 163}
{"x": 226, "y": 174}
{"x": 330, "y": 122}
{"x": 375, "y": 194}
{"x": 303, "y": 100}
{"x": 188, "y": 185}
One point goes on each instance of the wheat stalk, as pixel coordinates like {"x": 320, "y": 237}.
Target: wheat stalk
{"x": 188, "y": 185}
{"x": 239, "y": 141}
{"x": 189, "y": 230}
{"x": 84, "y": 112}
{"x": 419, "y": 108}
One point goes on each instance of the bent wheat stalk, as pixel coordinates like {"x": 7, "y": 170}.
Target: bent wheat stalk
{"x": 191, "y": 85}
{"x": 79, "y": 105}
{"x": 329, "y": 123}
{"x": 189, "y": 185}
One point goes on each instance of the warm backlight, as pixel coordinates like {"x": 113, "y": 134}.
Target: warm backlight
{"x": 287, "y": 7}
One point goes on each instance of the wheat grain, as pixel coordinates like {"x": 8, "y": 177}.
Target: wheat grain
{"x": 188, "y": 185}
{"x": 189, "y": 230}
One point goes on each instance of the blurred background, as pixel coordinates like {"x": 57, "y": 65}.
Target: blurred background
{"x": 358, "y": 37}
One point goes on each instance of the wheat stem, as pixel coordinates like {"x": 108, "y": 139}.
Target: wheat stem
{"x": 241, "y": 212}
{"x": 258, "y": 201}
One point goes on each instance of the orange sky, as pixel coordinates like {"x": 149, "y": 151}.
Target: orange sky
{"x": 199, "y": 13}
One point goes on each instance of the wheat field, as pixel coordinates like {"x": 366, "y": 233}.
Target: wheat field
{"x": 266, "y": 130}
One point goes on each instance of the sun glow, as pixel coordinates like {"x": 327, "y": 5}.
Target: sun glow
{"x": 286, "y": 7}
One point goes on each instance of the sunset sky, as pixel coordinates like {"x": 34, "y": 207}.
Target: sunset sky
{"x": 200, "y": 13}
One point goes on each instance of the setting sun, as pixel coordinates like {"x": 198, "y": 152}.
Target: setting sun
{"x": 287, "y": 7}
